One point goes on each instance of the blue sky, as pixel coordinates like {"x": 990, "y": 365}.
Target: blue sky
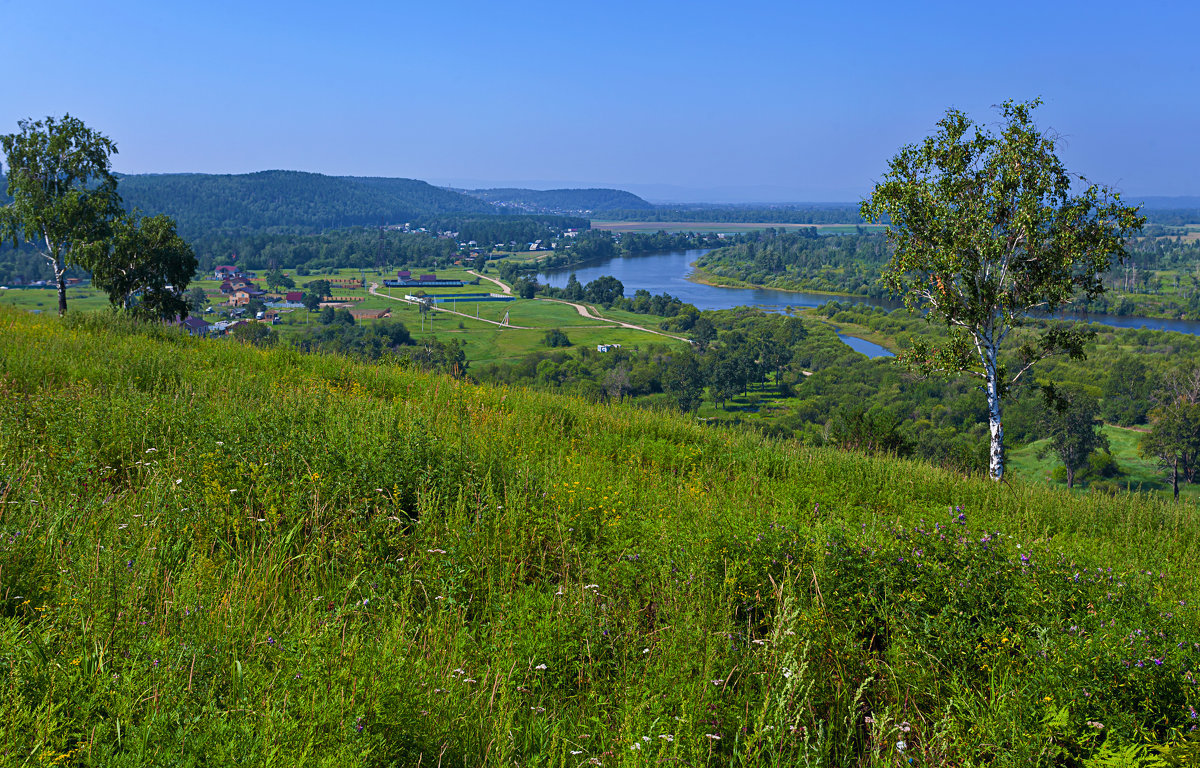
{"x": 686, "y": 100}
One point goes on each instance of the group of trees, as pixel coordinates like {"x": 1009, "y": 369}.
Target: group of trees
{"x": 1174, "y": 437}
{"x": 65, "y": 203}
{"x": 804, "y": 260}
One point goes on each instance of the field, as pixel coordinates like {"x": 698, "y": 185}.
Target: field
{"x": 1137, "y": 472}
{"x": 485, "y": 341}
{"x": 363, "y": 565}
{"x": 720, "y": 226}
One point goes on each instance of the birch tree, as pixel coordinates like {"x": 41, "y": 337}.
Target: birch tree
{"x": 988, "y": 228}
{"x": 64, "y": 194}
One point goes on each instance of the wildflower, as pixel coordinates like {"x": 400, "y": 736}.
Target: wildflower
{"x": 1097, "y": 725}
{"x": 540, "y": 666}
{"x": 716, "y": 681}
{"x": 905, "y": 726}
{"x": 669, "y": 737}
{"x": 270, "y": 640}
{"x": 645, "y": 650}
{"x": 645, "y": 738}
{"x": 901, "y": 746}
{"x": 636, "y": 745}
{"x": 713, "y": 736}
{"x": 868, "y": 719}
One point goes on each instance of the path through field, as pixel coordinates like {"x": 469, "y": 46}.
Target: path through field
{"x": 373, "y": 290}
{"x": 582, "y": 309}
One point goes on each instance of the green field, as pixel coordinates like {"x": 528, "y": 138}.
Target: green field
{"x": 729, "y": 227}
{"x": 1139, "y": 474}
{"x": 213, "y": 554}
{"x": 485, "y": 342}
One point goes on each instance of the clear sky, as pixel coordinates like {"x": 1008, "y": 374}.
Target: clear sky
{"x": 676, "y": 100}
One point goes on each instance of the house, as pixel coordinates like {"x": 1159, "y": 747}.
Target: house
{"x": 404, "y": 274}
{"x": 243, "y": 296}
{"x": 226, "y": 288}
{"x": 291, "y": 296}
{"x": 194, "y": 326}
{"x": 607, "y": 347}
{"x": 226, "y": 271}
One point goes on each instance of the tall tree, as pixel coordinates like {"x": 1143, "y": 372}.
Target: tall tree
{"x": 64, "y": 194}
{"x": 986, "y": 230}
{"x": 1071, "y": 421}
{"x": 147, "y": 267}
{"x": 683, "y": 380}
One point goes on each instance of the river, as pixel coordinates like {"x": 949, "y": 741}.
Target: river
{"x": 668, "y": 272}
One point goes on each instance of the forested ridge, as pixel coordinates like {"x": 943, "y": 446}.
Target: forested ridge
{"x": 562, "y": 200}
{"x": 291, "y": 200}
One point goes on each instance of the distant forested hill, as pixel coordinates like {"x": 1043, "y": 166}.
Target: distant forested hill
{"x": 289, "y": 200}
{"x": 569, "y": 201}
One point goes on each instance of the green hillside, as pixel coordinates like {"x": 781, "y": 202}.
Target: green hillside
{"x": 212, "y": 554}
{"x": 202, "y": 203}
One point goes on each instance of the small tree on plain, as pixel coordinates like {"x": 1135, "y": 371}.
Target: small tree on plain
{"x": 1071, "y": 421}
{"x": 1174, "y": 436}
{"x": 146, "y": 268}
{"x": 987, "y": 229}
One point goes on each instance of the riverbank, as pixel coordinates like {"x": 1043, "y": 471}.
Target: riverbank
{"x": 704, "y": 277}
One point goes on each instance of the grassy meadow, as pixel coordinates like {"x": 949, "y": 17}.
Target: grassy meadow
{"x": 212, "y": 554}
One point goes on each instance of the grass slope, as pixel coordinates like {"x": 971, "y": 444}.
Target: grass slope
{"x": 212, "y": 554}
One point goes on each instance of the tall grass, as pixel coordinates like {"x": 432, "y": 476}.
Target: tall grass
{"x": 212, "y": 554}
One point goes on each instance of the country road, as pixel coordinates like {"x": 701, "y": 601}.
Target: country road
{"x": 373, "y": 290}
{"x": 503, "y": 286}
{"x": 586, "y": 311}
{"x": 582, "y": 309}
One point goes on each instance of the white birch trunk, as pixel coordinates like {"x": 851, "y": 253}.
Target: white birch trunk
{"x": 995, "y": 425}
{"x": 58, "y": 264}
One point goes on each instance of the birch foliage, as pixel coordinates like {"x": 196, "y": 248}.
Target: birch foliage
{"x": 64, "y": 194}
{"x": 989, "y": 228}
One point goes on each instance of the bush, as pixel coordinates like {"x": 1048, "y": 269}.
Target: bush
{"x": 556, "y": 338}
